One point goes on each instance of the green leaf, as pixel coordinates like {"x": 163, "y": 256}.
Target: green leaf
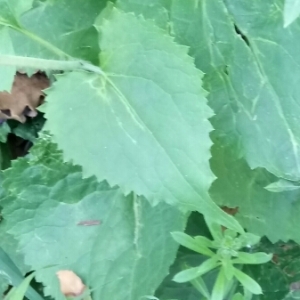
{"x": 7, "y": 73}
{"x": 282, "y": 186}
{"x": 252, "y": 258}
{"x": 54, "y": 38}
{"x": 4, "y": 131}
{"x": 193, "y": 273}
{"x": 258, "y": 209}
{"x": 18, "y": 292}
{"x": 264, "y": 90}
{"x": 206, "y": 28}
{"x": 238, "y": 296}
{"x": 200, "y": 285}
{"x": 150, "y": 9}
{"x": 192, "y": 243}
{"x": 291, "y": 11}
{"x": 132, "y": 109}
{"x": 109, "y": 240}
{"x": 219, "y": 289}
{"x": 11, "y": 10}
{"x": 227, "y": 265}
{"x": 15, "y": 278}
{"x": 247, "y": 282}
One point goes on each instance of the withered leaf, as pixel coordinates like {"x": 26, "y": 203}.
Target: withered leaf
{"x": 26, "y": 94}
{"x": 70, "y": 283}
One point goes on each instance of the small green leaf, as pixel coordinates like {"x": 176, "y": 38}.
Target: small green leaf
{"x": 4, "y": 131}
{"x": 215, "y": 230}
{"x": 238, "y": 296}
{"x": 249, "y": 239}
{"x": 291, "y": 11}
{"x": 282, "y": 185}
{"x": 204, "y": 241}
{"x": 228, "y": 268}
{"x": 218, "y": 292}
{"x": 247, "y": 282}
{"x": 191, "y": 243}
{"x": 193, "y": 273}
{"x": 252, "y": 258}
{"x": 200, "y": 285}
{"x": 18, "y": 293}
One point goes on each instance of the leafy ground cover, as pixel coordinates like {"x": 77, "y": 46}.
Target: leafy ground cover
{"x": 149, "y": 149}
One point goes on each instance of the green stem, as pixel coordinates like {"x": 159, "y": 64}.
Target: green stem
{"x": 48, "y": 64}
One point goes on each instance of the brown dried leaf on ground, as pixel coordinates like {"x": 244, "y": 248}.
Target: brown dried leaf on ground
{"x": 70, "y": 283}
{"x": 25, "y": 96}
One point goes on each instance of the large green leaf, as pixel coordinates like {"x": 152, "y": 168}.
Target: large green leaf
{"x": 147, "y": 128}
{"x": 262, "y": 74}
{"x": 120, "y": 246}
{"x": 58, "y": 30}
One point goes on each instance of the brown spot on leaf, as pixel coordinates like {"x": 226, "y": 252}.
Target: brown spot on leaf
{"x": 26, "y": 94}
{"x": 70, "y": 283}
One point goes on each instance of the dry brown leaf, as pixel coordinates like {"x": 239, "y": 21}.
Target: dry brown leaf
{"x": 26, "y": 94}
{"x": 70, "y": 283}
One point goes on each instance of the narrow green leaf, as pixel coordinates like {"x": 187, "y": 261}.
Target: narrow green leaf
{"x": 133, "y": 108}
{"x": 200, "y": 285}
{"x": 193, "y": 273}
{"x": 247, "y": 282}
{"x": 282, "y": 186}
{"x": 228, "y": 268}
{"x": 291, "y": 11}
{"x": 15, "y": 276}
{"x": 219, "y": 288}
{"x": 204, "y": 241}
{"x": 252, "y": 258}
{"x": 19, "y": 291}
{"x": 191, "y": 243}
{"x": 215, "y": 230}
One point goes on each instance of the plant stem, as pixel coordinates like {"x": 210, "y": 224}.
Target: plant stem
{"x": 48, "y": 64}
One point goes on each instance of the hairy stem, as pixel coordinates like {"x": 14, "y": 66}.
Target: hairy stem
{"x": 48, "y": 64}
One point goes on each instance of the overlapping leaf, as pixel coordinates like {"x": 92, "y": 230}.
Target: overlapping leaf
{"x": 119, "y": 246}
{"x": 261, "y": 211}
{"x": 146, "y": 124}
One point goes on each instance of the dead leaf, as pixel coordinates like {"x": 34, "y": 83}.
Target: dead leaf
{"x": 26, "y": 94}
{"x": 70, "y": 283}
